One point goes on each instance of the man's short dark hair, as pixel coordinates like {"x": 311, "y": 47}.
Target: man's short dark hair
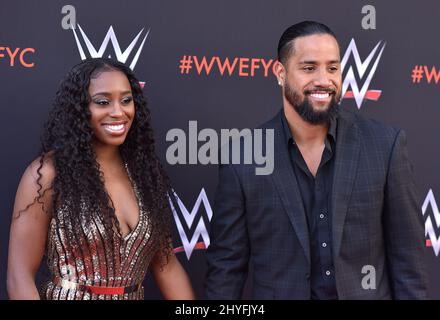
{"x": 305, "y": 28}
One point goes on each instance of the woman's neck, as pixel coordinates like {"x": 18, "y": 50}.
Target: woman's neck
{"x": 107, "y": 156}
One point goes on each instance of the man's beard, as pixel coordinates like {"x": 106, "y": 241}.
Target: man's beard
{"x": 305, "y": 109}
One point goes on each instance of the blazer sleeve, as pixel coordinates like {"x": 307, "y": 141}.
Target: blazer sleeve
{"x": 403, "y": 227}
{"x": 228, "y": 252}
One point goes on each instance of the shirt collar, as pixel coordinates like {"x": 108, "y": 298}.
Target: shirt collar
{"x": 330, "y": 134}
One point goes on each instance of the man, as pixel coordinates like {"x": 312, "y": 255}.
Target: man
{"x": 338, "y": 218}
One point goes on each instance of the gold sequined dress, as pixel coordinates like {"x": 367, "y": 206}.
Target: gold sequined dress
{"x": 95, "y": 262}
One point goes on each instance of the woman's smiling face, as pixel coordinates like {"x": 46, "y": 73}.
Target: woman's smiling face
{"x": 112, "y": 107}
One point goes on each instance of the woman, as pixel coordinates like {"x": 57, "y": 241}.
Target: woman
{"x": 96, "y": 201}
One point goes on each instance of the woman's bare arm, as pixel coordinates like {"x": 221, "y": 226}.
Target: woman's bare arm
{"x": 28, "y": 233}
{"x": 171, "y": 279}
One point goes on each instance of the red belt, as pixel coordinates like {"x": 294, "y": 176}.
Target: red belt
{"x": 71, "y": 285}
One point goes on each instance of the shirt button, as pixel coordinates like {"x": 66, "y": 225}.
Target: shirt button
{"x": 324, "y": 244}
{"x": 322, "y": 216}
{"x": 327, "y": 273}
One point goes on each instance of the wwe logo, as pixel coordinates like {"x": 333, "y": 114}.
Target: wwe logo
{"x": 190, "y": 244}
{"x": 350, "y": 80}
{"x": 433, "y": 240}
{"x": 110, "y": 36}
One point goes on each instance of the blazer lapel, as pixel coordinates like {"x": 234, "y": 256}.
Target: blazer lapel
{"x": 287, "y": 187}
{"x": 346, "y": 162}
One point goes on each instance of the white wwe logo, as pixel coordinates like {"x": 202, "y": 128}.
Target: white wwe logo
{"x": 110, "y": 36}
{"x": 350, "y": 80}
{"x": 200, "y": 231}
{"x": 433, "y": 241}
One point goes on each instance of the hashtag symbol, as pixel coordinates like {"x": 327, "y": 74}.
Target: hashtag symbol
{"x": 185, "y": 64}
{"x": 417, "y": 74}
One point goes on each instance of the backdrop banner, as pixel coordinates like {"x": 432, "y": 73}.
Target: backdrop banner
{"x": 208, "y": 64}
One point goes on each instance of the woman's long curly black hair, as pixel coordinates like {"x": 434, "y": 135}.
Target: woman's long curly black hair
{"x": 68, "y": 139}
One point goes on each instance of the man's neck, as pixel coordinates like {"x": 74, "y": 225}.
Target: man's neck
{"x": 304, "y": 133}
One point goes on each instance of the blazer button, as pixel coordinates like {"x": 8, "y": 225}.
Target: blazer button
{"x": 308, "y": 276}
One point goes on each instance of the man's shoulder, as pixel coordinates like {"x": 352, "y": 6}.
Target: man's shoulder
{"x": 369, "y": 128}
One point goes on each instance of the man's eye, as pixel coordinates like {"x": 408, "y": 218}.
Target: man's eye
{"x": 308, "y": 68}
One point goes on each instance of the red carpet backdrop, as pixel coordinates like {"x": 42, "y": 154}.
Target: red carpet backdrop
{"x": 211, "y": 62}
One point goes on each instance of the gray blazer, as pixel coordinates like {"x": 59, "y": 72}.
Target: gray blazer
{"x": 376, "y": 221}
